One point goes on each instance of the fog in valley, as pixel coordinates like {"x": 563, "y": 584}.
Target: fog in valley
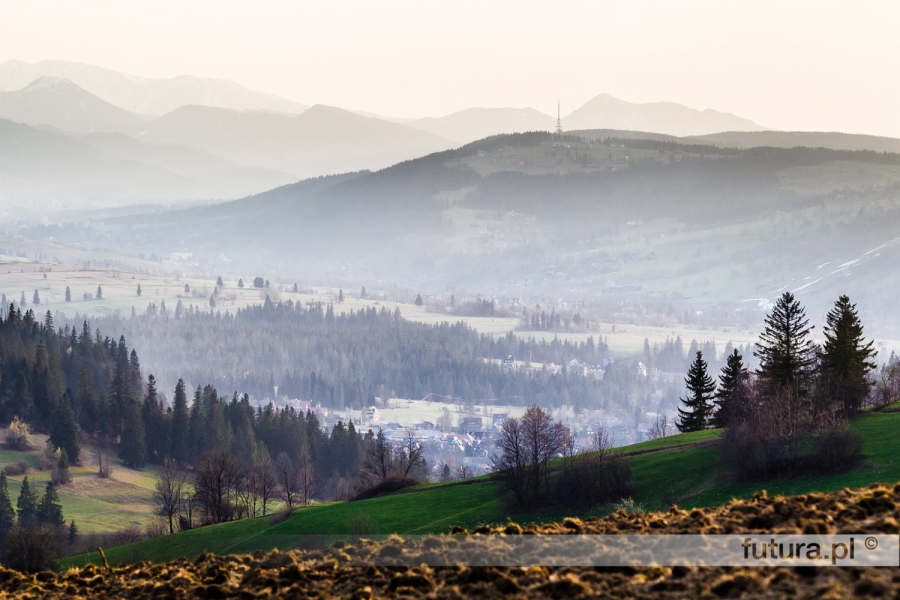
{"x": 235, "y": 235}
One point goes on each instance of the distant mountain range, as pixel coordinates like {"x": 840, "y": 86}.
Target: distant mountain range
{"x": 43, "y": 169}
{"x": 194, "y": 138}
{"x": 143, "y": 95}
{"x": 192, "y": 152}
{"x": 322, "y": 140}
{"x": 606, "y": 112}
{"x": 602, "y": 112}
{"x": 60, "y": 103}
{"x": 477, "y": 123}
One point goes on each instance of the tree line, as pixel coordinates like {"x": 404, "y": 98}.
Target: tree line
{"x": 346, "y": 359}
{"x": 790, "y": 415}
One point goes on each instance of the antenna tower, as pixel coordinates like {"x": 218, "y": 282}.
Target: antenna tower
{"x": 558, "y": 121}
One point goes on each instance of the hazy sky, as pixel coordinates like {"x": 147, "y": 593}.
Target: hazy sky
{"x": 787, "y": 65}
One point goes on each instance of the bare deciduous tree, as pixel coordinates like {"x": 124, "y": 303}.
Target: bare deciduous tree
{"x": 104, "y": 467}
{"x": 306, "y": 479}
{"x": 525, "y": 447}
{"x": 464, "y": 472}
{"x": 286, "y": 475}
{"x": 215, "y": 482}
{"x": 266, "y": 483}
{"x": 410, "y": 459}
{"x": 660, "y": 427}
{"x": 167, "y": 497}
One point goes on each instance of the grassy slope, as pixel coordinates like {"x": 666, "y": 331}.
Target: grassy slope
{"x": 681, "y": 469}
{"x": 96, "y": 505}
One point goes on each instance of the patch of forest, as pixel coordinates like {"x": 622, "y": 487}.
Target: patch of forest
{"x": 345, "y": 359}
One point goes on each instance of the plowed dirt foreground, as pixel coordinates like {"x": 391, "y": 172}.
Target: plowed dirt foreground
{"x": 319, "y": 573}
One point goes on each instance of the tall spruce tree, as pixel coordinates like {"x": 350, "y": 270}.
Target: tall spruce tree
{"x": 7, "y": 514}
{"x": 783, "y": 349}
{"x": 22, "y": 405}
{"x": 732, "y": 380}
{"x": 846, "y": 357}
{"x": 701, "y": 390}
{"x": 27, "y": 503}
{"x": 180, "y": 424}
{"x": 64, "y": 431}
{"x": 153, "y": 418}
{"x": 133, "y": 448}
{"x": 50, "y": 510}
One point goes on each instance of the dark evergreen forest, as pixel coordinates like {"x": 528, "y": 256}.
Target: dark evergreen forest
{"x": 346, "y": 359}
{"x": 76, "y": 385}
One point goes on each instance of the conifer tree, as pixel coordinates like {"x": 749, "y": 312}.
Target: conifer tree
{"x": 46, "y": 383}
{"x": 846, "y": 358}
{"x": 180, "y": 423}
{"x": 419, "y": 301}
{"x": 7, "y": 514}
{"x": 731, "y": 381}
{"x": 783, "y": 349}
{"x": 139, "y": 290}
{"x": 99, "y": 292}
{"x": 22, "y": 405}
{"x": 133, "y": 448}
{"x": 240, "y": 283}
{"x": 27, "y": 503}
{"x": 68, "y": 294}
{"x": 340, "y": 295}
{"x": 64, "y": 430}
{"x": 50, "y": 510}
{"x": 701, "y": 389}
{"x": 36, "y": 299}
{"x": 153, "y": 419}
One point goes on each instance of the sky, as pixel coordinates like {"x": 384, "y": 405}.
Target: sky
{"x": 795, "y": 65}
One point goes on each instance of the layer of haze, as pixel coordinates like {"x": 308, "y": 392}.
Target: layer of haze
{"x": 799, "y": 65}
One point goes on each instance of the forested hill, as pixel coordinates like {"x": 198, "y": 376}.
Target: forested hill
{"x": 346, "y": 359}
{"x": 594, "y": 214}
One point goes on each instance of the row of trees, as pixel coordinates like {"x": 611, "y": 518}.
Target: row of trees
{"x": 792, "y": 412}
{"x": 32, "y": 535}
{"x": 348, "y": 359}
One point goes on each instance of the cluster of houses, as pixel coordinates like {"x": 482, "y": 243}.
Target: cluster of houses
{"x": 573, "y": 367}
{"x": 470, "y": 446}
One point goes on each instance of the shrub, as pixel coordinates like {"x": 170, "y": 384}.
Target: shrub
{"x": 591, "y": 478}
{"x": 156, "y": 528}
{"x": 32, "y": 548}
{"x": 60, "y": 476}
{"x": 629, "y": 506}
{"x": 836, "y": 449}
{"x": 20, "y": 468}
{"x": 18, "y": 437}
{"x": 386, "y": 487}
{"x": 184, "y": 524}
{"x": 48, "y": 457}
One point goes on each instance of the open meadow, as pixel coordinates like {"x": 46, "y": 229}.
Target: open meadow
{"x": 683, "y": 469}
{"x": 97, "y": 505}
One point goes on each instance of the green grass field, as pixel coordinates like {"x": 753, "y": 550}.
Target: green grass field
{"x": 96, "y": 505}
{"x": 683, "y": 469}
